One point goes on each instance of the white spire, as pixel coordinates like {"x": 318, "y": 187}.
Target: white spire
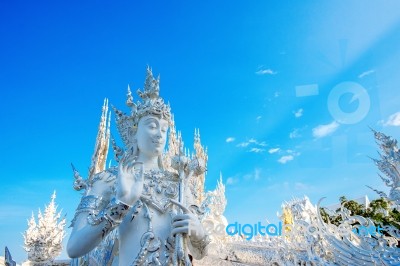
{"x": 43, "y": 240}
{"x": 99, "y": 156}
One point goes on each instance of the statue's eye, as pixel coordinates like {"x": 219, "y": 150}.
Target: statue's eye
{"x": 164, "y": 129}
{"x": 152, "y": 125}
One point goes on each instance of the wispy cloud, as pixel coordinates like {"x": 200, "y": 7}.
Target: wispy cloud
{"x": 393, "y": 120}
{"x": 256, "y": 150}
{"x": 295, "y": 133}
{"x": 286, "y": 158}
{"x": 301, "y": 186}
{"x": 253, "y": 142}
{"x": 231, "y": 180}
{"x": 325, "y": 130}
{"x": 266, "y": 72}
{"x": 298, "y": 113}
{"x": 366, "y": 73}
{"x": 258, "y": 118}
{"x": 230, "y": 139}
{"x": 292, "y": 152}
{"x": 276, "y": 94}
{"x": 255, "y": 175}
{"x": 273, "y": 150}
{"x": 243, "y": 144}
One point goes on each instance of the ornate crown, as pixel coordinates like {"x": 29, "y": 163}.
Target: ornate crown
{"x": 151, "y": 104}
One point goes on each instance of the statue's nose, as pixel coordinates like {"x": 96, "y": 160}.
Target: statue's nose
{"x": 158, "y": 135}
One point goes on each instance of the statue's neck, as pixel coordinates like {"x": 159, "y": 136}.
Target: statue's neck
{"x": 149, "y": 162}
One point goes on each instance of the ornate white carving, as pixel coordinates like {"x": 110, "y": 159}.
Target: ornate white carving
{"x": 300, "y": 209}
{"x": 43, "y": 240}
{"x": 102, "y": 142}
{"x": 215, "y": 203}
{"x": 316, "y": 243}
{"x": 389, "y": 164}
{"x": 197, "y": 182}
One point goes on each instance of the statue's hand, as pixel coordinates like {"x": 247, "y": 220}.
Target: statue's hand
{"x": 129, "y": 180}
{"x": 187, "y": 223}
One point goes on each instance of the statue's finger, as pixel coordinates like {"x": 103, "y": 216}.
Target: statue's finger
{"x": 139, "y": 176}
{"x": 180, "y": 205}
{"x": 120, "y": 165}
{"x": 124, "y": 163}
{"x": 121, "y": 168}
{"x": 180, "y": 224}
{"x": 129, "y": 166}
{"x": 180, "y": 230}
{"x": 124, "y": 156}
{"x": 180, "y": 217}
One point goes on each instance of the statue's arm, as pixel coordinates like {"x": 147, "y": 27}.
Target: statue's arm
{"x": 90, "y": 224}
{"x": 99, "y": 213}
{"x": 84, "y": 237}
{"x": 197, "y": 244}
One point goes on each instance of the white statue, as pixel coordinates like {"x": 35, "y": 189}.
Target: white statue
{"x": 152, "y": 208}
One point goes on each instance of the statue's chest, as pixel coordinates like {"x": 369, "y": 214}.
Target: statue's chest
{"x": 158, "y": 188}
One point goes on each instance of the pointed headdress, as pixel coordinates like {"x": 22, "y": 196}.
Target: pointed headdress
{"x": 151, "y": 104}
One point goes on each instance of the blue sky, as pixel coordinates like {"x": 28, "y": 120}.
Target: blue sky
{"x": 257, "y": 78}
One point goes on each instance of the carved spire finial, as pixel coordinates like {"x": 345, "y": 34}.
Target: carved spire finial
{"x": 129, "y": 98}
{"x": 102, "y": 142}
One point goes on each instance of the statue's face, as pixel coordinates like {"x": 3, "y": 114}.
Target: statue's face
{"x": 151, "y": 135}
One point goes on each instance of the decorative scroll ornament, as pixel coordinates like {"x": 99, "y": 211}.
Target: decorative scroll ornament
{"x": 389, "y": 164}
{"x": 159, "y": 187}
{"x": 151, "y": 104}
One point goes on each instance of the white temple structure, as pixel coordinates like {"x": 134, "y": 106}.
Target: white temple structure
{"x": 43, "y": 238}
{"x": 304, "y": 239}
{"x": 301, "y": 238}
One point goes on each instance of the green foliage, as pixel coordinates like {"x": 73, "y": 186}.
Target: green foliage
{"x": 378, "y": 211}
{"x": 325, "y": 216}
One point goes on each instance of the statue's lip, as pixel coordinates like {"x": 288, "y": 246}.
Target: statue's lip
{"x": 157, "y": 142}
